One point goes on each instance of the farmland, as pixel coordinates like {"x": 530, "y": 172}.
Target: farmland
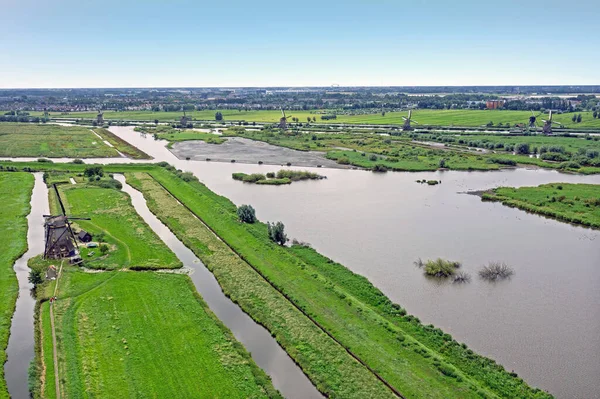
{"x": 15, "y": 194}
{"x": 469, "y": 118}
{"x": 573, "y": 203}
{"x": 133, "y": 332}
{"x": 30, "y": 140}
{"x": 144, "y": 334}
{"x": 133, "y": 244}
{"x": 364, "y": 319}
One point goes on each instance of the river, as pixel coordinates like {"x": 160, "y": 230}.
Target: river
{"x": 543, "y": 323}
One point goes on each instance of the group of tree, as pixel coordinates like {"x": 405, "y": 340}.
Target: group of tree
{"x": 276, "y": 231}
{"x": 218, "y": 116}
{"x": 576, "y": 118}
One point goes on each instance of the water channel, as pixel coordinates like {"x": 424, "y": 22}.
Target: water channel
{"x": 20, "y": 348}
{"x": 543, "y": 323}
{"x": 287, "y": 377}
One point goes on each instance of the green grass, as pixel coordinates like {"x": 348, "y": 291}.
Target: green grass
{"x": 471, "y": 118}
{"x": 15, "y": 194}
{"x": 133, "y": 243}
{"x": 327, "y": 364}
{"x": 121, "y": 145}
{"x": 173, "y": 135}
{"x": 573, "y": 203}
{"x": 408, "y": 355}
{"x": 143, "y": 334}
{"x": 30, "y": 140}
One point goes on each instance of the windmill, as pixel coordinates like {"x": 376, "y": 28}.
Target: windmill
{"x": 60, "y": 240}
{"x": 46, "y": 114}
{"x": 533, "y": 119}
{"x": 408, "y": 120}
{"x": 184, "y": 120}
{"x": 283, "y": 120}
{"x": 547, "y": 128}
{"x": 100, "y": 118}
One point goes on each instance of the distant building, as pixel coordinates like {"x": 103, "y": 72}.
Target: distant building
{"x": 494, "y": 104}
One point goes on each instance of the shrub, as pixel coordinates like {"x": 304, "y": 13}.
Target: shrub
{"x": 35, "y": 277}
{"x": 343, "y": 161}
{"x": 91, "y": 171}
{"x": 522, "y": 148}
{"x": 246, "y": 214}
{"x": 45, "y": 160}
{"x": 373, "y": 157}
{"x": 441, "y": 267}
{"x": 461, "y": 277}
{"x": 80, "y": 161}
{"x": 502, "y": 161}
{"x": 380, "y": 168}
{"x": 442, "y": 163}
{"x": 270, "y": 175}
{"x": 495, "y": 271}
{"x": 104, "y": 248}
{"x": 277, "y": 233}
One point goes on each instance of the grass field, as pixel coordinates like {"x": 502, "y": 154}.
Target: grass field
{"x": 121, "y": 145}
{"x": 143, "y": 334}
{"x": 134, "y": 245}
{"x": 420, "y": 361}
{"x": 573, "y": 203}
{"x": 400, "y": 153}
{"x": 15, "y": 194}
{"x": 422, "y": 116}
{"x": 30, "y": 140}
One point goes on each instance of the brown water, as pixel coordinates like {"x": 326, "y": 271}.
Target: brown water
{"x": 287, "y": 377}
{"x": 544, "y": 323}
{"x": 20, "y": 343}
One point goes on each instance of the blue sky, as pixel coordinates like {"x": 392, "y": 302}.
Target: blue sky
{"x": 311, "y": 43}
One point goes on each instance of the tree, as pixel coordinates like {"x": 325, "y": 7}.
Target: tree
{"x": 308, "y": 118}
{"x": 91, "y": 171}
{"x": 276, "y": 233}
{"x": 314, "y": 118}
{"x": 104, "y": 249}
{"x": 522, "y": 148}
{"x": 442, "y": 163}
{"x": 574, "y": 118}
{"x": 156, "y": 121}
{"x": 218, "y": 116}
{"x": 595, "y": 114}
{"x": 246, "y": 214}
{"x": 35, "y": 277}
{"x": 579, "y": 118}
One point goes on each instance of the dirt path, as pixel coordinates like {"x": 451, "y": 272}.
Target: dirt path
{"x": 54, "y": 347}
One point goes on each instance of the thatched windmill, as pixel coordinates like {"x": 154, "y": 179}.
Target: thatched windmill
{"x": 184, "y": 120}
{"x": 60, "y": 240}
{"x": 408, "y": 121}
{"x": 533, "y": 119}
{"x": 283, "y": 120}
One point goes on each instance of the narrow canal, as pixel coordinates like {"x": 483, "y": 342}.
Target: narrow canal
{"x": 287, "y": 377}
{"x": 21, "y": 342}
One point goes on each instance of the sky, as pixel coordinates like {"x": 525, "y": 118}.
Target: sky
{"x": 126, "y": 43}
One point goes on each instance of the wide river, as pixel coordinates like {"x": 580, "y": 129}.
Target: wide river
{"x": 543, "y": 323}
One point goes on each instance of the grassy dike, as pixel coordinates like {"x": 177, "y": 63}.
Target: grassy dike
{"x": 134, "y": 333}
{"x": 15, "y": 194}
{"x": 121, "y": 145}
{"x": 418, "y": 361}
{"x": 571, "y": 203}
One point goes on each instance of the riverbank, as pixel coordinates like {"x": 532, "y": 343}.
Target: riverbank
{"x": 571, "y": 203}
{"x": 15, "y": 195}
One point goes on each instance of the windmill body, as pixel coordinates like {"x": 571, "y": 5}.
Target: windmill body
{"x": 184, "y": 120}
{"x": 100, "y": 118}
{"x": 547, "y": 128}
{"x": 407, "y": 121}
{"x": 283, "y": 120}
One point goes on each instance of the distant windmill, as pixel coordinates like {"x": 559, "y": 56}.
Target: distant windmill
{"x": 100, "y": 118}
{"x": 184, "y": 120}
{"x": 533, "y": 119}
{"x": 547, "y": 128}
{"x": 46, "y": 115}
{"x": 60, "y": 240}
{"x": 283, "y": 120}
{"x": 407, "y": 121}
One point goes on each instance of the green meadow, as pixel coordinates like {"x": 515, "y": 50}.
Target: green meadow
{"x": 132, "y": 243}
{"x": 572, "y": 203}
{"x": 15, "y": 194}
{"x": 459, "y": 117}
{"x": 53, "y": 141}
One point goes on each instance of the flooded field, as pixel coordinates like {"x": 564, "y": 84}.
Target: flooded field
{"x": 249, "y": 151}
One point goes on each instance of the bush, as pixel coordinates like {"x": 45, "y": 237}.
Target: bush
{"x": 277, "y": 233}
{"x": 522, "y": 148}
{"x": 343, "y": 161}
{"x": 103, "y": 249}
{"x": 79, "y": 161}
{"x": 373, "y": 157}
{"x": 442, "y": 163}
{"x": 35, "y": 277}
{"x": 502, "y": 161}
{"x": 461, "y": 277}
{"x": 441, "y": 267}
{"x": 271, "y": 175}
{"x": 246, "y": 214}
{"x": 45, "y": 160}
{"x": 495, "y": 271}
{"x": 380, "y": 168}
{"x": 91, "y": 171}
